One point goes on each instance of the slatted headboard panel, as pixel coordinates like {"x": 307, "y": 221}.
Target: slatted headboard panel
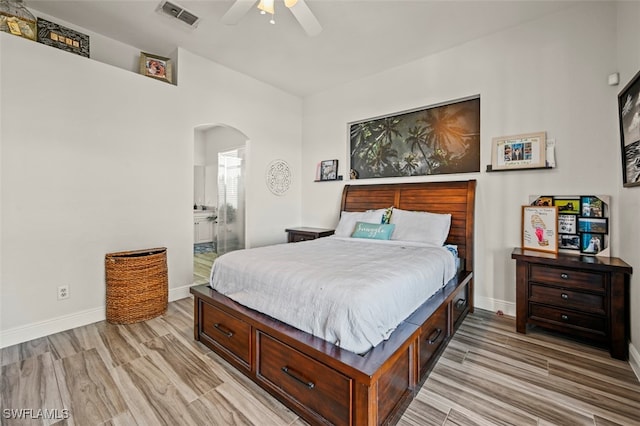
{"x": 457, "y": 198}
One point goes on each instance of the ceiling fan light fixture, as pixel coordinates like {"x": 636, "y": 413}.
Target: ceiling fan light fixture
{"x": 290, "y": 3}
{"x": 266, "y": 6}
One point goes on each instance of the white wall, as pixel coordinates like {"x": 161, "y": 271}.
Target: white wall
{"x": 629, "y": 64}
{"x": 547, "y": 75}
{"x": 97, "y": 159}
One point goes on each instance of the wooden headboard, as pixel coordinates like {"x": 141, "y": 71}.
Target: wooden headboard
{"x": 457, "y": 198}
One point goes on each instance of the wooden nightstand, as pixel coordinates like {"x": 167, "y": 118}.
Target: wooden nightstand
{"x": 584, "y": 296}
{"x": 304, "y": 233}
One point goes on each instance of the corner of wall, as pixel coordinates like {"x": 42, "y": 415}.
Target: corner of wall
{"x": 634, "y": 360}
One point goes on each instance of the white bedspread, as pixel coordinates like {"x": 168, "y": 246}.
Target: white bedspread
{"x": 349, "y": 291}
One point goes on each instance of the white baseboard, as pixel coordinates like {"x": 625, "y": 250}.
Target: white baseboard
{"x": 178, "y": 293}
{"x": 634, "y": 360}
{"x": 35, "y": 330}
{"x": 495, "y": 305}
{"x": 39, "y": 329}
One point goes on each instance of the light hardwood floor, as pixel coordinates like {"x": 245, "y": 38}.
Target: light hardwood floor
{"x": 153, "y": 372}
{"x": 202, "y": 267}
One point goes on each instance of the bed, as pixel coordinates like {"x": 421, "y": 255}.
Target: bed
{"x": 316, "y": 377}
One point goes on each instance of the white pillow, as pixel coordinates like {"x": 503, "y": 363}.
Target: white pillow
{"x": 348, "y": 221}
{"x": 422, "y": 227}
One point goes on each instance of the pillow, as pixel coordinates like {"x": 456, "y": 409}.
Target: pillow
{"x": 386, "y": 216}
{"x": 376, "y": 231}
{"x": 422, "y": 227}
{"x": 348, "y": 221}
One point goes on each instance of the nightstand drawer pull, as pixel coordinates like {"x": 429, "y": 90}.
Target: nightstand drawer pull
{"x": 223, "y": 329}
{"x": 432, "y": 339}
{"x": 564, "y": 276}
{"x": 564, "y": 317}
{"x": 565, "y": 296}
{"x": 291, "y": 373}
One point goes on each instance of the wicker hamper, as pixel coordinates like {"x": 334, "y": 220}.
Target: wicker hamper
{"x": 137, "y": 285}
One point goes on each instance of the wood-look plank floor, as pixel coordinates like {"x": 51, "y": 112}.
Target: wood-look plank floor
{"x": 154, "y": 373}
{"x": 202, "y": 263}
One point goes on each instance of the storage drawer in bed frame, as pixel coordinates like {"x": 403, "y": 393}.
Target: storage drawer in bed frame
{"x": 319, "y": 381}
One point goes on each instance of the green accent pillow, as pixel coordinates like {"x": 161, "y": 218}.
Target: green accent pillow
{"x": 377, "y": 231}
{"x": 386, "y": 216}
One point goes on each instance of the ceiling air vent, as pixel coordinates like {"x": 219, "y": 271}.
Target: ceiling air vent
{"x": 178, "y": 12}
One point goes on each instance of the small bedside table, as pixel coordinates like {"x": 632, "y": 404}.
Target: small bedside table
{"x": 583, "y": 296}
{"x": 304, "y": 233}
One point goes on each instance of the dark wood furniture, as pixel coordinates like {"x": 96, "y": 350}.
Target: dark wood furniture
{"x": 585, "y": 296}
{"x": 323, "y": 383}
{"x": 305, "y": 233}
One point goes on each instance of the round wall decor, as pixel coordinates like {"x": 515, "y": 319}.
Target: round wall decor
{"x": 278, "y": 177}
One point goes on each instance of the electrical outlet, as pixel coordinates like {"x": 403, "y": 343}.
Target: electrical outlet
{"x": 63, "y": 292}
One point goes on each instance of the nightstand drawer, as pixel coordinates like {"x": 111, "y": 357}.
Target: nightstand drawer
{"x": 568, "y": 318}
{"x": 566, "y": 277}
{"x": 295, "y": 235}
{"x": 296, "y": 238}
{"x": 588, "y": 302}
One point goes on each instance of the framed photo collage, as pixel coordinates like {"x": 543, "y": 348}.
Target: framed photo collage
{"x": 583, "y": 222}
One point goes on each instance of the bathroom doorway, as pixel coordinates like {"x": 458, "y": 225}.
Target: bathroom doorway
{"x": 231, "y": 201}
{"x": 219, "y": 196}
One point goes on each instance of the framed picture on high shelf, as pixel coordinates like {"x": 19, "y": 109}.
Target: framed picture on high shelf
{"x": 157, "y": 67}
{"x": 329, "y": 170}
{"x": 525, "y": 151}
{"x": 629, "y": 119}
{"x": 540, "y": 228}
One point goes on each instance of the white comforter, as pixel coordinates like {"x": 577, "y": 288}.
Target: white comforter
{"x": 349, "y": 291}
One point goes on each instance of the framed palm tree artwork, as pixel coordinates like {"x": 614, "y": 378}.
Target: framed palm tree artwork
{"x": 438, "y": 139}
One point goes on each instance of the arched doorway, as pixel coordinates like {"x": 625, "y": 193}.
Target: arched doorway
{"x": 220, "y": 153}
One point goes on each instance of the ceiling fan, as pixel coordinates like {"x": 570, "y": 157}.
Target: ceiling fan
{"x": 298, "y": 8}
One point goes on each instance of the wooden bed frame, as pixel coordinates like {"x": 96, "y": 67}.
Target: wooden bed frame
{"x": 323, "y": 383}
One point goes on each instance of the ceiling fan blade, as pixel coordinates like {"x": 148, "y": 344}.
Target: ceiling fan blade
{"x": 237, "y": 11}
{"x": 306, "y": 18}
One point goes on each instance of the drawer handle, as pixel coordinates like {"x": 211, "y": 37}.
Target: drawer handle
{"x": 564, "y": 317}
{"x": 291, "y": 373}
{"x": 565, "y": 296}
{"x": 432, "y": 339}
{"x": 223, "y": 329}
{"x": 460, "y": 303}
{"x": 564, "y": 276}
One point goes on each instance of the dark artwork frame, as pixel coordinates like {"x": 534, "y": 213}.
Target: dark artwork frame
{"x": 629, "y": 119}
{"x": 438, "y": 139}
{"x": 63, "y": 38}
{"x": 329, "y": 170}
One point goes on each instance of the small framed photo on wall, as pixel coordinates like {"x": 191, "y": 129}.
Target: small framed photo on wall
{"x": 157, "y": 67}
{"x": 540, "y": 228}
{"x": 329, "y": 170}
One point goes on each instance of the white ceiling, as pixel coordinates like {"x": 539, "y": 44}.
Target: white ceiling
{"x": 359, "y": 37}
